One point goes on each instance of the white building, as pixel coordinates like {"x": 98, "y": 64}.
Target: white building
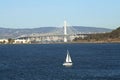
{"x": 21, "y": 41}
{"x": 5, "y": 41}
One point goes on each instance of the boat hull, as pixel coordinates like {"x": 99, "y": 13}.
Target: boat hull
{"x": 67, "y": 64}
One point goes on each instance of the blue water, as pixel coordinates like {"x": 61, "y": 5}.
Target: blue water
{"x": 44, "y": 62}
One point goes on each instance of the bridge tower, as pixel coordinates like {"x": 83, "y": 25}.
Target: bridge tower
{"x": 65, "y": 31}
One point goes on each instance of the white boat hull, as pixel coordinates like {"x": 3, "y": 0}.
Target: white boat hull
{"x": 67, "y": 64}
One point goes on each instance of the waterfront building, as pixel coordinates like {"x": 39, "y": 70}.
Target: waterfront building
{"x": 21, "y": 41}
{"x": 3, "y": 41}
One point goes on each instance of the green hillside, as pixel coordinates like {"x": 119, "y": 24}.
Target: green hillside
{"x": 115, "y": 33}
{"x": 113, "y": 36}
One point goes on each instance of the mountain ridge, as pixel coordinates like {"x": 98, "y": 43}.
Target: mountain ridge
{"x": 13, "y": 32}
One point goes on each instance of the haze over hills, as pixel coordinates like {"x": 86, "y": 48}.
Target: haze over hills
{"x": 13, "y": 33}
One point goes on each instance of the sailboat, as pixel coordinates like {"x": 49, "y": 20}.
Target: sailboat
{"x": 68, "y": 61}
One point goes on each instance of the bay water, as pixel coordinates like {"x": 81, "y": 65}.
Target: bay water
{"x": 99, "y": 61}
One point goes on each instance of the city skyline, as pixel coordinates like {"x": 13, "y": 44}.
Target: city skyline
{"x": 45, "y": 13}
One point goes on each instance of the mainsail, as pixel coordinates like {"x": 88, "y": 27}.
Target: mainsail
{"x": 68, "y": 58}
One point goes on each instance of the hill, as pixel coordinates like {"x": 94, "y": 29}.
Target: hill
{"x": 85, "y": 29}
{"x": 115, "y": 33}
{"x": 113, "y": 36}
{"x": 13, "y": 33}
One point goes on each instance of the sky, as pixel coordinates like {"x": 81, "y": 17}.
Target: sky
{"x": 48, "y": 13}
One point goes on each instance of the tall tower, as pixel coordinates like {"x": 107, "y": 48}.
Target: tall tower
{"x": 65, "y": 31}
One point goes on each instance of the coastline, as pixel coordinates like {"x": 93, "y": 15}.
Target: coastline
{"x": 77, "y": 42}
{"x": 96, "y": 42}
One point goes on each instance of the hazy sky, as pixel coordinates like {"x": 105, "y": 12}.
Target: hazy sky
{"x": 40, "y": 13}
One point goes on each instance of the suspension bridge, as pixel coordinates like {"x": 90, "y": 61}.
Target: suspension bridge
{"x": 67, "y": 34}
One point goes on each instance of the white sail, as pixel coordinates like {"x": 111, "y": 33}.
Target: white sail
{"x": 68, "y": 58}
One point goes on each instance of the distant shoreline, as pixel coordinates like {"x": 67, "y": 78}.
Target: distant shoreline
{"x": 97, "y": 42}
{"x": 84, "y": 42}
